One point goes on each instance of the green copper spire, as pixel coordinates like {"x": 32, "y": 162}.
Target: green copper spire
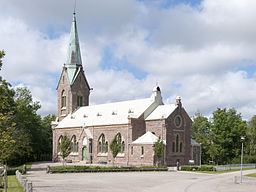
{"x": 73, "y": 60}
{"x": 73, "y": 54}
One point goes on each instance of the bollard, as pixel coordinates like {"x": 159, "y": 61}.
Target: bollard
{"x": 24, "y": 170}
{"x": 235, "y": 179}
{"x": 30, "y": 188}
{"x": 48, "y": 169}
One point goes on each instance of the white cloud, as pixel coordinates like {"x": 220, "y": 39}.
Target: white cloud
{"x": 194, "y": 52}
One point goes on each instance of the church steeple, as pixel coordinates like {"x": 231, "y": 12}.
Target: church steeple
{"x": 73, "y": 53}
{"x": 73, "y": 60}
{"x": 73, "y": 89}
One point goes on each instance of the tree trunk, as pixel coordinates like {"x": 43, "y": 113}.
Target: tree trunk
{"x": 5, "y": 179}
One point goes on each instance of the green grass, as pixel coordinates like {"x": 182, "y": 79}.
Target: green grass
{"x": 28, "y": 165}
{"x": 251, "y": 175}
{"x": 226, "y": 171}
{"x": 14, "y": 185}
{"x": 12, "y": 170}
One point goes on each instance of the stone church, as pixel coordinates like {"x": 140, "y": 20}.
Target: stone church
{"x": 136, "y": 123}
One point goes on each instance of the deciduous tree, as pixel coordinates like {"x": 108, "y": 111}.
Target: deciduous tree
{"x": 226, "y": 131}
{"x": 251, "y": 136}
{"x": 65, "y": 147}
{"x": 159, "y": 149}
{"x": 115, "y": 146}
{"x": 201, "y": 134}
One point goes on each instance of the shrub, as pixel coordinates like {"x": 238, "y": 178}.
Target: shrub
{"x": 196, "y": 168}
{"x": 12, "y": 171}
{"x": 72, "y": 169}
{"x": 207, "y": 168}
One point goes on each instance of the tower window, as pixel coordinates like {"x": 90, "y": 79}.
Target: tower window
{"x": 63, "y": 99}
{"x": 79, "y": 101}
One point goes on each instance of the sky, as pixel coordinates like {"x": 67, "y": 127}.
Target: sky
{"x": 201, "y": 50}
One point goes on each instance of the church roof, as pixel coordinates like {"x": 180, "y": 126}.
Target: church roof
{"x": 162, "y": 111}
{"x": 146, "y": 139}
{"x": 106, "y": 114}
{"x": 194, "y": 143}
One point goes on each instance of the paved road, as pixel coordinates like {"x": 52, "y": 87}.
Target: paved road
{"x": 138, "y": 181}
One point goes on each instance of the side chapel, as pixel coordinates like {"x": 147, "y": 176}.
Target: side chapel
{"x": 137, "y": 123}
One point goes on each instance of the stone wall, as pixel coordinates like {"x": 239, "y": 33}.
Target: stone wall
{"x": 136, "y": 158}
{"x": 183, "y": 132}
{"x": 79, "y": 88}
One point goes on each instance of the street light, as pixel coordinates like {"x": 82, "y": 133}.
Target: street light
{"x": 242, "y": 138}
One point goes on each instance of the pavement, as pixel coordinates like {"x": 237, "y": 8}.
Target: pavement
{"x": 138, "y": 181}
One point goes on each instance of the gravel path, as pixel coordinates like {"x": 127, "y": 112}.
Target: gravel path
{"x": 137, "y": 181}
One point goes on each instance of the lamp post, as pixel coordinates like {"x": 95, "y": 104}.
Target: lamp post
{"x": 200, "y": 155}
{"x": 242, "y": 138}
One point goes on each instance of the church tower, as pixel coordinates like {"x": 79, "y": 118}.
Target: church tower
{"x": 73, "y": 89}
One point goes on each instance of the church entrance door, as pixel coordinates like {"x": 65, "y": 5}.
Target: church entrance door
{"x": 84, "y": 153}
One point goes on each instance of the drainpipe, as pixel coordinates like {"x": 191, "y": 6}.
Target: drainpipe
{"x": 127, "y": 157}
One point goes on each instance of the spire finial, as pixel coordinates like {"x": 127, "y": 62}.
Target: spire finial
{"x": 74, "y": 8}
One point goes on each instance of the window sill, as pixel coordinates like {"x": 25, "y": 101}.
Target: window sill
{"x": 74, "y": 153}
{"x": 120, "y": 155}
{"x": 63, "y": 108}
{"x": 142, "y": 156}
{"x": 102, "y": 154}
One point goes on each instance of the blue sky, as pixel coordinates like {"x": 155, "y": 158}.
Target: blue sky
{"x": 203, "y": 51}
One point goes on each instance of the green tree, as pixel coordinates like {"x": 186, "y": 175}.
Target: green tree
{"x": 251, "y": 136}
{"x": 2, "y": 54}
{"x": 7, "y": 126}
{"x": 226, "y": 131}
{"x": 65, "y": 147}
{"x": 46, "y": 131}
{"x": 159, "y": 149}
{"x": 29, "y": 125}
{"x": 201, "y": 134}
{"x": 115, "y": 146}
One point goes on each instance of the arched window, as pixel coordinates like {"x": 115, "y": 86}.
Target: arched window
{"x": 74, "y": 144}
{"x": 118, "y": 137}
{"x": 142, "y": 150}
{"x": 123, "y": 147}
{"x": 177, "y": 143}
{"x": 181, "y": 147}
{"x": 173, "y": 147}
{"x": 59, "y": 142}
{"x": 63, "y": 99}
{"x": 102, "y": 144}
{"x": 132, "y": 150}
{"x": 99, "y": 147}
{"x": 106, "y": 146}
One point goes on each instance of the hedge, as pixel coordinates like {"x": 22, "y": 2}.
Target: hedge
{"x": 79, "y": 169}
{"x": 196, "y": 168}
{"x": 12, "y": 171}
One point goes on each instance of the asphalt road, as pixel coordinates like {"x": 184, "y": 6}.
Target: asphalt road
{"x": 138, "y": 181}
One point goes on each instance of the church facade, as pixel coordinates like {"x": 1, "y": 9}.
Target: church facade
{"x": 136, "y": 123}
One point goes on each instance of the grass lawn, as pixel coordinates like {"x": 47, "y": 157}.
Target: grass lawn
{"x": 14, "y": 185}
{"x": 28, "y": 165}
{"x": 251, "y": 175}
{"x": 226, "y": 171}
